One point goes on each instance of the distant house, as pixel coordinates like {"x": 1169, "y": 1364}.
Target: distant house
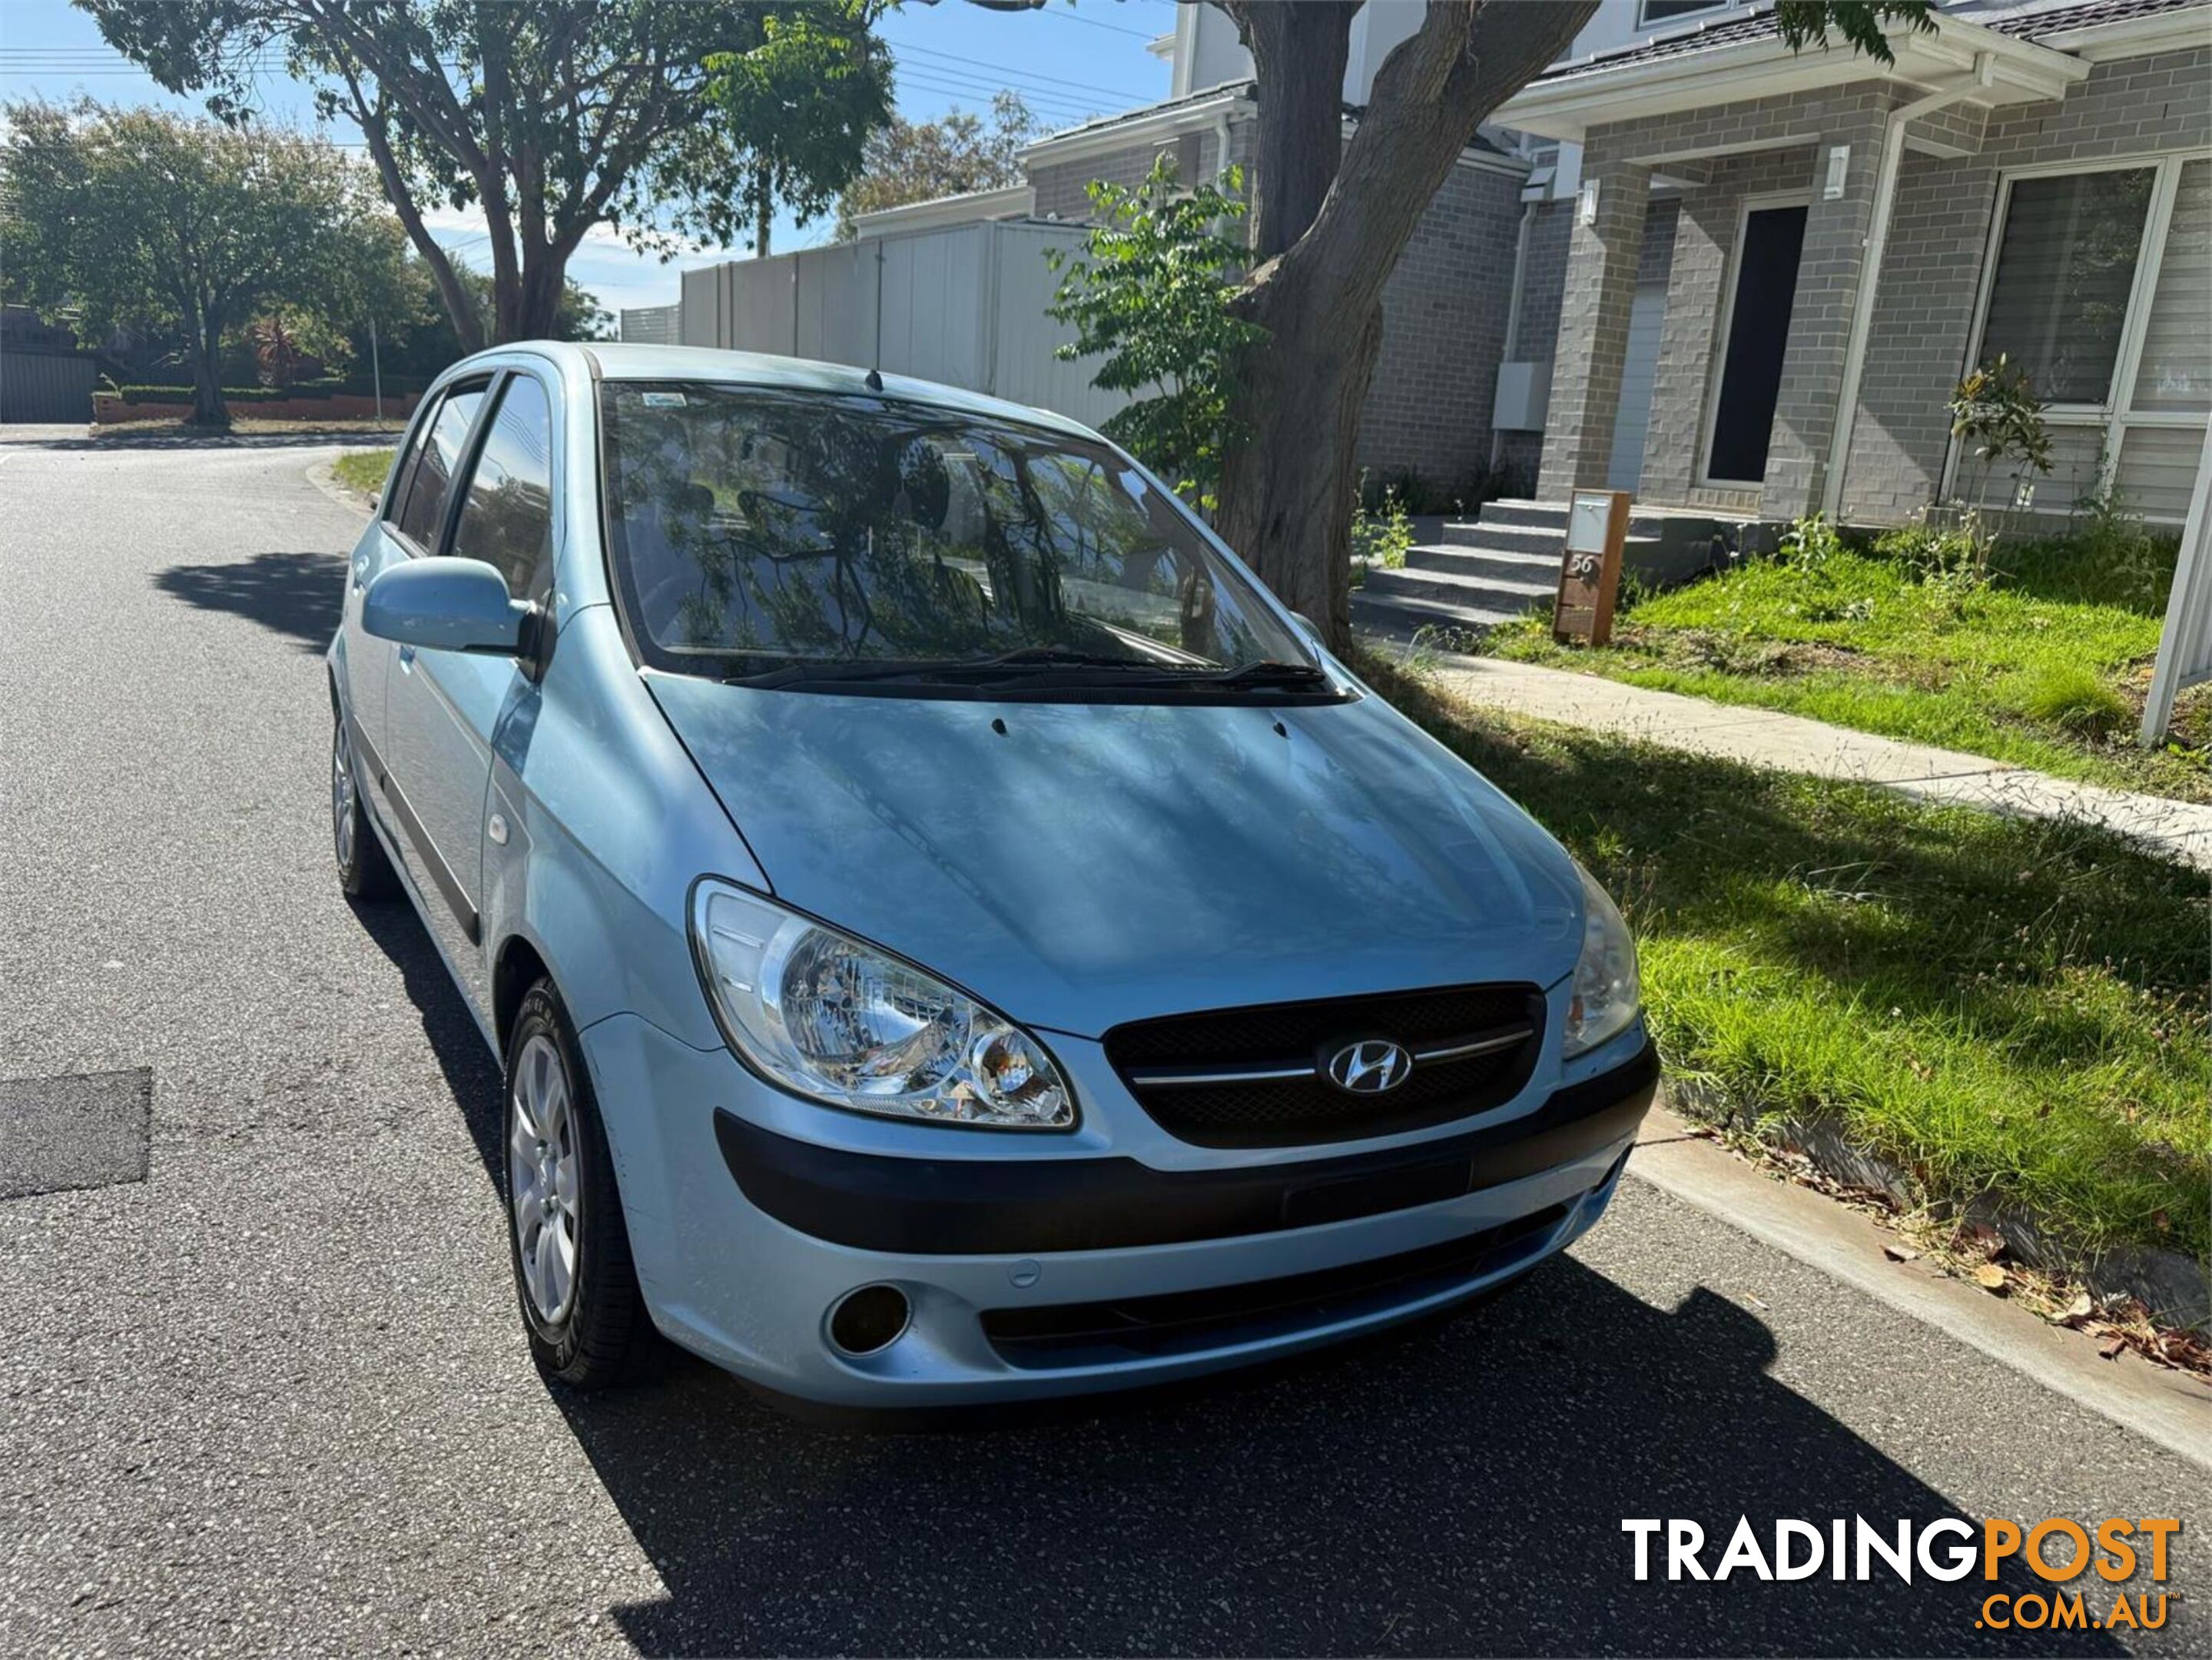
{"x": 1779, "y": 264}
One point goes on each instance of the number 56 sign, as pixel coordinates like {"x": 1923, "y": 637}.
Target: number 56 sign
{"x": 1589, "y": 572}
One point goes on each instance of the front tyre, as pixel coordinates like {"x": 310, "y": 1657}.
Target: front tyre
{"x": 573, "y": 1275}
{"x": 364, "y": 872}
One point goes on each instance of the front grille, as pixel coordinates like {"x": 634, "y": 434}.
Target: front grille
{"x": 1256, "y": 1077}
{"x": 1181, "y": 1322}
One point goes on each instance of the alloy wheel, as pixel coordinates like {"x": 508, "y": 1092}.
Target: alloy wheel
{"x": 541, "y": 1162}
{"x": 342, "y": 796}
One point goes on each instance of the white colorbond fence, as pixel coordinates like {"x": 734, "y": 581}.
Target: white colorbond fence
{"x": 2185, "y": 648}
{"x": 964, "y": 306}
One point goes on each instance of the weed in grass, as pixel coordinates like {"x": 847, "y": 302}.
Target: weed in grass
{"x": 2069, "y": 697}
{"x": 2003, "y": 1006}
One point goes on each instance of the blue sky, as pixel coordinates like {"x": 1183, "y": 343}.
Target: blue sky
{"x": 1069, "y": 61}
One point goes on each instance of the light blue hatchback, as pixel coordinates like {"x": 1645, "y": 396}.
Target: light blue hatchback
{"x": 950, "y": 934}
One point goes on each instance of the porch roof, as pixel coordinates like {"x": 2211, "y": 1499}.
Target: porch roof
{"x": 1739, "y": 59}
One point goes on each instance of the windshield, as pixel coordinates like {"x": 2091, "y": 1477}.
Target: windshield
{"x": 809, "y": 538}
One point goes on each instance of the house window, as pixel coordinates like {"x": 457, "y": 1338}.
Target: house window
{"x": 2066, "y": 269}
{"x": 1666, "y": 11}
{"x": 2102, "y": 290}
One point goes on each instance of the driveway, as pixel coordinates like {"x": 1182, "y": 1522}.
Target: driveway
{"x": 274, "y": 1395}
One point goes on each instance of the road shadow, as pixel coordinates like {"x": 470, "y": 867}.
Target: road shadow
{"x": 470, "y": 1071}
{"x": 300, "y": 595}
{"x": 1459, "y": 1490}
{"x": 1455, "y": 1487}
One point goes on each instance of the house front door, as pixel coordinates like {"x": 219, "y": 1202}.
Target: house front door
{"x": 1758, "y": 335}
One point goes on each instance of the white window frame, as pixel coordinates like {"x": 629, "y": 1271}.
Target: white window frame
{"x": 1716, "y": 372}
{"x": 2112, "y": 418}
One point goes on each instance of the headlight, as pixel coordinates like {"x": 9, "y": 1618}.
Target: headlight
{"x": 840, "y": 1022}
{"x": 1606, "y": 991}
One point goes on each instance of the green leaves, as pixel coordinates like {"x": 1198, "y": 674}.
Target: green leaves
{"x": 1153, "y": 297}
{"x": 1995, "y": 409}
{"x": 801, "y": 105}
{"x": 1861, "y": 22}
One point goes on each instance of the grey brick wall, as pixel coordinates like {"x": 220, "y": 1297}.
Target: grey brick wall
{"x": 1603, "y": 259}
{"x": 1924, "y": 311}
{"x": 1061, "y": 189}
{"x": 1820, "y": 317}
{"x": 1544, "y": 281}
{"x": 1444, "y": 314}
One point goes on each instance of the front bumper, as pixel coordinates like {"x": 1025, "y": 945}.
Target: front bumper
{"x": 1029, "y": 1277}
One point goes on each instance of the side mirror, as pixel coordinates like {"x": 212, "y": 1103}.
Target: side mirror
{"x": 447, "y": 605}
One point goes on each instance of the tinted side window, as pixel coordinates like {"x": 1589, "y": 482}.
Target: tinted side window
{"x": 425, "y": 511}
{"x": 403, "y": 468}
{"x": 507, "y": 518}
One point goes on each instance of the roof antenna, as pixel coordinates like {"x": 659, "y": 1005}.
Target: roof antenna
{"x": 875, "y": 380}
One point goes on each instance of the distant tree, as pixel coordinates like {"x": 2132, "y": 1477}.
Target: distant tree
{"x": 421, "y": 340}
{"x": 808, "y": 107}
{"x": 550, "y": 117}
{"x": 918, "y": 161}
{"x": 138, "y": 218}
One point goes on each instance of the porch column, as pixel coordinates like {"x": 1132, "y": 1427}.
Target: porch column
{"x": 1829, "y": 272}
{"x": 1593, "y": 338}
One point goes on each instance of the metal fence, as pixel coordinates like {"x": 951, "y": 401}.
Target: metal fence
{"x": 2185, "y": 648}
{"x": 653, "y": 325}
{"x": 45, "y": 386}
{"x": 964, "y": 306}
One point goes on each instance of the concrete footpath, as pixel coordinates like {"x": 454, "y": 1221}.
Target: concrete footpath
{"x": 2176, "y": 829}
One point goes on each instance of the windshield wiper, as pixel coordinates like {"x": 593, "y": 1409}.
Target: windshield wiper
{"x": 1270, "y": 672}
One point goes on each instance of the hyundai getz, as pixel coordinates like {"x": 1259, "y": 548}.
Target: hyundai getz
{"x": 949, "y": 934}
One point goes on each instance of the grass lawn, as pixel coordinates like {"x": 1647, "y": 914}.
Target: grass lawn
{"x": 2005, "y": 1006}
{"x": 2047, "y": 666}
{"x": 362, "y": 469}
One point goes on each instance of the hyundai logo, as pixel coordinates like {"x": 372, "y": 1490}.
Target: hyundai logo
{"x": 1369, "y": 1067}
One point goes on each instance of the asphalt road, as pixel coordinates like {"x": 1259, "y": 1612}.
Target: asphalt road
{"x": 274, "y": 1395}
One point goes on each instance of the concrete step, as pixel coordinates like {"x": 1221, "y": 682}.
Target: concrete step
{"x": 1540, "y": 515}
{"x": 1487, "y": 594}
{"x": 1513, "y": 538}
{"x": 1402, "y": 616}
{"x": 1478, "y": 561}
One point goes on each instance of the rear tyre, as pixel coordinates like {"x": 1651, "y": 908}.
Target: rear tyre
{"x": 573, "y": 1275}
{"x": 364, "y": 870}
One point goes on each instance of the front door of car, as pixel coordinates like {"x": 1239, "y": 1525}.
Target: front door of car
{"x": 444, "y": 708}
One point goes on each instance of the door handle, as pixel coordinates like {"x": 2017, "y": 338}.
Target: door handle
{"x": 407, "y": 659}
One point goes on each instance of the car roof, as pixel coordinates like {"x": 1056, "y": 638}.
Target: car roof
{"x": 616, "y": 362}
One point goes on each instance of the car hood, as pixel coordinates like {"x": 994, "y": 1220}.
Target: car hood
{"x": 1079, "y": 864}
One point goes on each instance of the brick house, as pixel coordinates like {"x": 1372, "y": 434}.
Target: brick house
{"x": 1778, "y": 264}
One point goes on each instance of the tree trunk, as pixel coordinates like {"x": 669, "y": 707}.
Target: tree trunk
{"x": 1287, "y": 490}
{"x": 764, "y": 211}
{"x": 208, "y": 408}
{"x": 1287, "y": 484}
{"x": 1298, "y": 54}
{"x": 535, "y": 309}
